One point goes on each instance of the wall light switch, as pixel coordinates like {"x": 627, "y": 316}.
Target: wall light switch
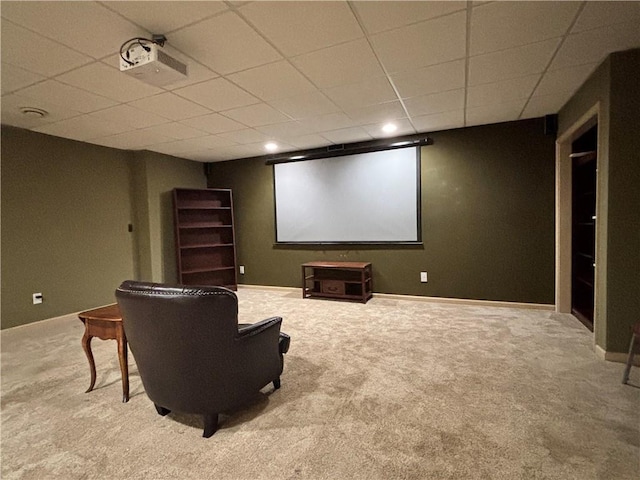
{"x": 423, "y": 277}
{"x": 37, "y": 298}
{"x": 241, "y": 269}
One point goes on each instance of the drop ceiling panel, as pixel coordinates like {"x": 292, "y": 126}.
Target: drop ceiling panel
{"x": 287, "y": 129}
{"x": 323, "y": 123}
{"x": 404, "y": 128}
{"x": 164, "y": 17}
{"x": 305, "y": 106}
{"x": 175, "y": 130}
{"x": 217, "y": 94}
{"x": 175, "y": 147}
{"x": 256, "y": 115}
{"x": 346, "y": 63}
{"x": 99, "y": 32}
{"x": 504, "y": 112}
{"x": 214, "y": 123}
{"x": 347, "y": 135}
{"x": 35, "y": 53}
{"x": 210, "y": 141}
{"x": 502, "y": 92}
{"x": 441, "y": 40}
{"x": 380, "y": 16}
{"x": 592, "y": 46}
{"x": 15, "y": 78}
{"x": 182, "y": 147}
{"x": 224, "y": 43}
{"x": 338, "y": 67}
{"x": 171, "y": 106}
{"x": 439, "y": 121}
{"x": 11, "y": 114}
{"x": 128, "y": 115}
{"x": 564, "y": 80}
{"x": 306, "y": 141}
{"x": 357, "y": 95}
{"x": 132, "y": 140}
{"x": 108, "y": 82}
{"x": 599, "y": 14}
{"x": 83, "y": 128}
{"x": 382, "y": 113}
{"x": 544, "y": 105}
{"x": 300, "y": 27}
{"x": 245, "y": 136}
{"x": 63, "y": 94}
{"x": 273, "y": 81}
{"x": 436, "y": 78}
{"x": 501, "y": 25}
{"x": 511, "y": 63}
{"x": 435, "y": 103}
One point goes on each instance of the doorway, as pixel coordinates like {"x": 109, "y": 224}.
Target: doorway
{"x": 583, "y": 225}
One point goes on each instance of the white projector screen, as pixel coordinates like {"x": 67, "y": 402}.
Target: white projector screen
{"x": 363, "y": 198}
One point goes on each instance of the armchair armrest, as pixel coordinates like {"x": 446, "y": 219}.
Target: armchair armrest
{"x": 250, "y": 329}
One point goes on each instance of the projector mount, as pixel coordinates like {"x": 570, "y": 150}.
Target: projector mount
{"x": 126, "y": 46}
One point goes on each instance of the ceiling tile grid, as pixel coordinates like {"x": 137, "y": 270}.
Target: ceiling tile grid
{"x": 302, "y": 74}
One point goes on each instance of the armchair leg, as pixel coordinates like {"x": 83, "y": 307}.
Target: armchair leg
{"x": 161, "y": 410}
{"x": 625, "y": 376}
{"x": 210, "y": 424}
{"x": 276, "y": 383}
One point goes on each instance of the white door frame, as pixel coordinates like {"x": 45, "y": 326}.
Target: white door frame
{"x": 564, "y": 207}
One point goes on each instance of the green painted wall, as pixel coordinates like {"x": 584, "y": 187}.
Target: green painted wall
{"x": 66, "y": 207}
{"x": 623, "y": 273}
{"x": 65, "y": 211}
{"x": 615, "y": 85}
{"x": 156, "y": 177}
{"x": 487, "y": 220}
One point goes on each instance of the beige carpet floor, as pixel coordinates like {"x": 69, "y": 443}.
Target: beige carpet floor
{"x": 393, "y": 389}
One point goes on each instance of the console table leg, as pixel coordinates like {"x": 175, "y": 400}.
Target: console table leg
{"x": 86, "y": 346}
{"x": 124, "y": 367}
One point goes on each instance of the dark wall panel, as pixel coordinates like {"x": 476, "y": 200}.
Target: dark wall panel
{"x": 487, "y": 220}
{"x": 66, "y": 207}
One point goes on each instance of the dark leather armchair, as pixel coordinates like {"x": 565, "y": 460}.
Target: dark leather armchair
{"x": 191, "y": 354}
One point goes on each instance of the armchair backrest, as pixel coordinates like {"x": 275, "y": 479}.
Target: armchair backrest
{"x": 182, "y": 339}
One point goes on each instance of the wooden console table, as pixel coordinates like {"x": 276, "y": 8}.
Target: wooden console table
{"x": 337, "y": 280}
{"x": 106, "y": 324}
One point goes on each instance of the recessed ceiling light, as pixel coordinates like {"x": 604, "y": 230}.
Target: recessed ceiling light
{"x": 34, "y": 112}
{"x": 297, "y": 157}
{"x": 271, "y": 146}
{"x": 389, "y": 128}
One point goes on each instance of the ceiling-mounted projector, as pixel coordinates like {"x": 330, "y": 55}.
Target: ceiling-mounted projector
{"x": 147, "y": 62}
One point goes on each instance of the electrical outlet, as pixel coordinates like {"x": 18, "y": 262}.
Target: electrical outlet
{"x": 241, "y": 269}
{"x": 423, "y": 277}
{"x": 37, "y": 298}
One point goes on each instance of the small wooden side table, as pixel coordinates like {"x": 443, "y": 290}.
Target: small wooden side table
{"x": 106, "y": 324}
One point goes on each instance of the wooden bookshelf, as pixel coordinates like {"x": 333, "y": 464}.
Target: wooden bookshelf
{"x": 351, "y": 281}
{"x": 205, "y": 237}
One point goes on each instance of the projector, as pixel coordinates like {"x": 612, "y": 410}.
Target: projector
{"x": 151, "y": 65}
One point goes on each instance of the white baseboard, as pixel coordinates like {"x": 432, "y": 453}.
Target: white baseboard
{"x": 455, "y": 301}
{"x": 617, "y": 357}
{"x": 466, "y": 301}
{"x": 60, "y": 317}
{"x": 270, "y": 287}
{"x": 51, "y": 319}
